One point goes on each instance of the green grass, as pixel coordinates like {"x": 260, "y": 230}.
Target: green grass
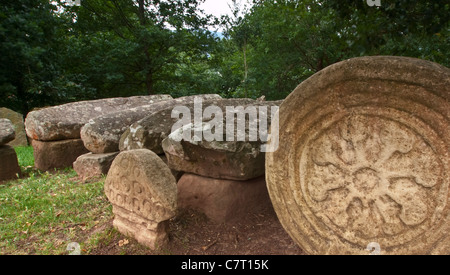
{"x": 44, "y": 212}
{"x": 25, "y": 156}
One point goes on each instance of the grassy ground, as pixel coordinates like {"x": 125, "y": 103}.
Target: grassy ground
{"x": 42, "y": 213}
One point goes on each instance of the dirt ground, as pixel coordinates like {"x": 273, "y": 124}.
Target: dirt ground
{"x": 191, "y": 233}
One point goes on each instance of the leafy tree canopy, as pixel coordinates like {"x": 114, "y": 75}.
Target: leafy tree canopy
{"x": 53, "y": 53}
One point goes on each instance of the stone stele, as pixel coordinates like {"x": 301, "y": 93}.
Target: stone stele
{"x": 143, "y": 193}
{"x": 364, "y": 159}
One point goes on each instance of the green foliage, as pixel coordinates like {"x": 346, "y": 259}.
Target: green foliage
{"x": 53, "y": 53}
{"x": 136, "y": 47}
{"x": 286, "y": 42}
{"x": 399, "y": 27}
{"x": 101, "y": 49}
{"x": 26, "y": 42}
{"x": 32, "y": 71}
{"x": 289, "y": 40}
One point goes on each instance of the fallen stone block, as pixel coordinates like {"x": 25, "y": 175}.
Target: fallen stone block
{"x": 92, "y": 165}
{"x": 57, "y": 154}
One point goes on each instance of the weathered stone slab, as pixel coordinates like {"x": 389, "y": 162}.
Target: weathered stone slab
{"x": 233, "y": 157}
{"x": 65, "y": 121}
{"x": 222, "y": 200}
{"x": 102, "y": 134}
{"x": 7, "y": 132}
{"x": 57, "y": 154}
{"x": 19, "y": 127}
{"x": 143, "y": 193}
{"x": 364, "y": 158}
{"x": 149, "y": 132}
{"x": 91, "y": 165}
{"x": 9, "y": 166}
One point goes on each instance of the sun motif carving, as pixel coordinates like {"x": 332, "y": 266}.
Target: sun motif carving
{"x": 371, "y": 176}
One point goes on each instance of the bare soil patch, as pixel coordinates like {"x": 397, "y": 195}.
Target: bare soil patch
{"x": 191, "y": 233}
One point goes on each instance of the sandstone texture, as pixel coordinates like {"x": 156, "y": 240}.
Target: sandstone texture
{"x": 9, "y": 166}
{"x": 65, "y": 121}
{"x": 143, "y": 193}
{"x": 364, "y": 158}
{"x": 57, "y": 154}
{"x": 177, "y": 174}
{"x": 19, "y": 127}
{"x": 102, "y": 134}
{"x": 7, "y": 132}
{"x": 234, "y": 157}
{"x": 222, "y": 200}
{"x": 91, "y": 165}
{"x": 148, "y": 132}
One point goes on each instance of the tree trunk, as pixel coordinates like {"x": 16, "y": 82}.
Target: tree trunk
{"x": 245, "y": 69}
{"x": 141, "y": 12}
{"x": 22, "y": 95}
{"x": 149, "y": 75}
{"x": 149, "y": 83}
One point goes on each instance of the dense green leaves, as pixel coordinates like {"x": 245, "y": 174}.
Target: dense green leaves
{"x": 27, "y": 37}
{"x": 398, "y": 27}
{"x": 290, "y": 40}
{"x": 53, "y": 53}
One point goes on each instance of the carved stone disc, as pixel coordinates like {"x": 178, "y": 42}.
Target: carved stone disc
{"x": 363, "y": 158}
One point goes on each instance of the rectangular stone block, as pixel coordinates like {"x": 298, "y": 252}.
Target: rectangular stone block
{"x": 222, "y": 200}
{"x": 9, "y": 166}
{"x": 92, "y": 165}
{"x": 57, "y": 154}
